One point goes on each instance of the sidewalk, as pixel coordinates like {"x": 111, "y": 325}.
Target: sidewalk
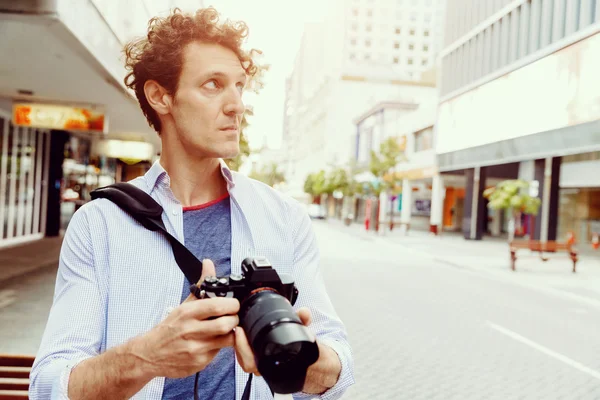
{"x": 491, "y": 256}
{"x": 29, "y": 257}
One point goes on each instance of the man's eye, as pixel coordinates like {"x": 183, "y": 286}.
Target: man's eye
{"x": 211, "y": 84}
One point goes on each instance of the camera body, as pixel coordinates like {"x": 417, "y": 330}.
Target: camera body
{"x": 257, "y": 275}
{"x": 283, "y": 347}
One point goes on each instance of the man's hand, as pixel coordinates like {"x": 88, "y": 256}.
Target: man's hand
{"x": 187, "y": 341}
{"x": 244, "y": 352}
{"x": 320, "y": 376}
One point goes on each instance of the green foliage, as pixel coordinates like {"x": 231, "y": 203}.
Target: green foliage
{"x": 269, "y": 174}
{"x": 512, "y": 194}
{"x": 316, "y": 184}
{"x": 337, "y": 179}
{"x": 381, "y": 164}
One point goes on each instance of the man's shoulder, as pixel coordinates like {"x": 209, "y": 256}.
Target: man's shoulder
{"x": 256, "y": 190}
{"x": 102, "y": 206}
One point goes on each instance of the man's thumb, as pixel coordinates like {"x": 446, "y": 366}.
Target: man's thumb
{"x": 208, "y": 269}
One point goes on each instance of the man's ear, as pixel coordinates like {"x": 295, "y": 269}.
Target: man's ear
{"x": 158, "y": 97}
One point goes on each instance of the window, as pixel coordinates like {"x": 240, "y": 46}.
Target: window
{"x": 427, "y": 17}
{"x": 368, "y": 43}
{"x": 396, "y": 45}
{"x": 424, "y": 62}
{"x": 413, "y": 16}
{"x": 398, "y": 31}
{"x": 411, "y": 32}
{"x": 355, "y": 12}
{"x": 425, "y": 32}
{"x": 409, "y": 61}
{"x": 396, "y": 60}
{"x": 424, "y": 139}
{"x": 369, "y": 13}
{"x": 425, "y": 47}
{"x": 369, "y": 28}
{"x": 353, "y": 42}
{"x": 367, "y": 56}
{"x": 352, "y": 56}
{"x": 354, "y": 27}
{"x": 411, "y": 46}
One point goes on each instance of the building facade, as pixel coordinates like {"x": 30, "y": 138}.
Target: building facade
{"x": 519, "y": 99}
{"x": 68, "y": 124}
{"x": 362, "y": 54}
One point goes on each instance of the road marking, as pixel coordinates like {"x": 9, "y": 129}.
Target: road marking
{"x": 545, "y": 350}
{"x": 7, "y": 297}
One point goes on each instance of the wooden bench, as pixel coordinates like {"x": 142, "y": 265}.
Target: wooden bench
{"x": 550, "y": 246}
{"x": 14, "y": 376}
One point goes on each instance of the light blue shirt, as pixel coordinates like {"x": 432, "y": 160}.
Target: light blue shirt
{"x": 117, "y": 280}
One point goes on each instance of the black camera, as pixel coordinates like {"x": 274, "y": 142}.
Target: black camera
{"x": 283, "y": 348}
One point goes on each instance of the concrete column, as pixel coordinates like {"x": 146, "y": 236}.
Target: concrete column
{"x": 406, "y": 204}
{"x": 474, "y": 220}
{"x": 438, "y": 193}
{"x": 547, "y": 173}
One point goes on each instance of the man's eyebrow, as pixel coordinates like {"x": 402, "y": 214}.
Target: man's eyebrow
{"x": 241, "y": 77}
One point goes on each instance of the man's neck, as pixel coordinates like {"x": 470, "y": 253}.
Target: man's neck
{"x": 194, "y": 181}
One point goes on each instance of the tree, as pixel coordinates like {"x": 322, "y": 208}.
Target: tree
{"x": 337, "y": 180}
{"x": 316, "y": 184}
{"x": 513, "y": 195}
{"x": 382, "y": 163}
{"x": 268, "y": 174}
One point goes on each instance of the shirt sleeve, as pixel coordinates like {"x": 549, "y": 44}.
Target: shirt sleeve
{"x": 75, "y": 324}
{"x": 326, "y": 325}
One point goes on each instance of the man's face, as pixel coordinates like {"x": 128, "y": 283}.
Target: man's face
{"x": 207, "y": 106}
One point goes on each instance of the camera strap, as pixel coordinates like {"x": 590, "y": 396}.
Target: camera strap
{"x": 145, "y": 210}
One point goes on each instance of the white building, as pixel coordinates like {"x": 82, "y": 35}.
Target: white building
{"x": 364, "y": 53}
{"x": 61, "y": 93}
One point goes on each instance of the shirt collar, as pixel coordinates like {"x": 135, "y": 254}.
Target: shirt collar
{"x": 157, "y": 175}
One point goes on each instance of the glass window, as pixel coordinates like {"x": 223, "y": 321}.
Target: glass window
{"x": 369, "y": 28}
{"x": 396, "y": 45}
{"x": 369, "y": 13}
{"x": 396, "y": 60}
{"x": 409, "y": 61}
{"x": 368, "y": 43}
{"x": 424, "y": 139}
{"x": 411, "y": 32}
{"x": 425, "y": 47}
{"x": 425, "y": 32}
{"x": 398, "y": 31}
{"x": 411, "y": 46}
{"x": 355, "y": 12}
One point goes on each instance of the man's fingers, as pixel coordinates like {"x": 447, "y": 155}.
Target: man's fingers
{"x": 213, "y": 327}
{"x": 305, "y": 316}
{"x": 208, "y": 269}
{"x": 211, "y": 307}
{"x": 244, "y": 353}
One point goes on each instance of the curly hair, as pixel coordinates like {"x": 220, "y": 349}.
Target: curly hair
{"x": 159, "y": 55}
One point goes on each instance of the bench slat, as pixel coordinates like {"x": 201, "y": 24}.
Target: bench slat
{"x": 14, "y": 384}
{"x": 13, "y": 394}
{"x": 15, "y": 372}
{"x": 10, "y": 360}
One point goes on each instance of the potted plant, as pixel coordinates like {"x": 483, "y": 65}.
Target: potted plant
{"x": 513, "y": 195}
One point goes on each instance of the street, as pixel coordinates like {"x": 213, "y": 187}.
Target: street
{"x": 420, "y": 328}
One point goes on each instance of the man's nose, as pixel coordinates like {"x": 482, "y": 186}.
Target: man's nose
{"x": 234, "y": 104}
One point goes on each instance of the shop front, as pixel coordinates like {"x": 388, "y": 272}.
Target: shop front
{"x": 23, "y": 182}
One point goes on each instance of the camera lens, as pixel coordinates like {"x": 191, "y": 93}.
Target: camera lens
{"x": 283, "y": 347}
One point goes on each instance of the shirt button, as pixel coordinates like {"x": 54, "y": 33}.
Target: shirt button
{"x": 174, "y": 211}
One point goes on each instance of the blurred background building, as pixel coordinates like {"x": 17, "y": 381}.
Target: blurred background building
{"x": 519, "y": 99}
{"x": 67, "y": 122}
{"x": 362, "y": 54}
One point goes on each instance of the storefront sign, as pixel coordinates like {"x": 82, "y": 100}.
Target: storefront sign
{"x": 51, "y": 116}
{"x": 127, "y": 151}
{"x": 418, "y": 173}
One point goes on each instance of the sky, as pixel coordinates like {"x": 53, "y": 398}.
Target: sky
{"x": 275, "y": 27}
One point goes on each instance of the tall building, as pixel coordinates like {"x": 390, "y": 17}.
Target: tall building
{"x": 520, "y": 99}
{"x": 365, "y": 52}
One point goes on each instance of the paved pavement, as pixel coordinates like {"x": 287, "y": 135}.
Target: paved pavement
{"x": 426, "y": 320}
{"x": 421, "y": 329}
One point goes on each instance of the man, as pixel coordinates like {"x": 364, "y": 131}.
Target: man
{"x": 123, "y": 323}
